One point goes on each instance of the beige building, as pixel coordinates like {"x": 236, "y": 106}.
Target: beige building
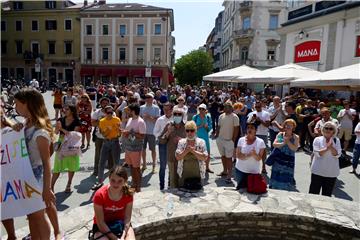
{"x": 249, "y": 33}
{"x": 127, "y": 42}
{"x": 40, "y": 39}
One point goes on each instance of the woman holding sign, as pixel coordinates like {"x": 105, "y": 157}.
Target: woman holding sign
{"x": 39, "y": 136}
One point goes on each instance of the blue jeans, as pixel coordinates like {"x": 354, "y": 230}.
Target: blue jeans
{"x": 108, "y": 147}
{"x": 356, "y": 156}
{"x": 272, "y": 134}
{"x": 241, "y": 178}
{"x": 163, "y": 162}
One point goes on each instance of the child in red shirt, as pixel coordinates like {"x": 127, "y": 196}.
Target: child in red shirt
{"x": 113, "y": 207}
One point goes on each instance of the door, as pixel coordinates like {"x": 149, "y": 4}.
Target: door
{"x": 52, "y": 77}
{"x": 69, "y": 77}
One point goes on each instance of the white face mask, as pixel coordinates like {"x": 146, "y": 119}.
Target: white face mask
{"x": 177, "y": 119}
{"x": 191, "y": 138}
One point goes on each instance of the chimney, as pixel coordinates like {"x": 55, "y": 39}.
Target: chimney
{"x": 85, "y": 3}
{"x": 102, "y": 2}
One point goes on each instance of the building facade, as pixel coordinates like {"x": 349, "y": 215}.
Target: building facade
{"x": 250, "y": 33}
{"x": 213, "y": 42}
{"x": 322, "y": 35}
{"x": 121, "y": 43}
{"x": 40, "y": 39}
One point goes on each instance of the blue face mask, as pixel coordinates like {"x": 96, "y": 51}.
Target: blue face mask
{"x": 177, "y": 119}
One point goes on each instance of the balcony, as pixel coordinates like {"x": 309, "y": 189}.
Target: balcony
{"x": 88, "y": 61}
{"x": 123, "y": 61}
{"x": 28, "y": 56}
{"x": 140, "y": 61}
{"x": 156, "y": 62}
{"x": 105, "y": 61}
{"x": 246, "y": 5}
{"x": 244, "y": 33}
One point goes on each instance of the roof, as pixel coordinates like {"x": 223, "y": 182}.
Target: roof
{"x": 124, "y": 7}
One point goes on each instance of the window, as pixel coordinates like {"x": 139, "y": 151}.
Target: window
{"x": 35, "y": 48}
{"x": 3, "y": 26}
{"x": 51, "y": 47}
{"x": 246, "y": 23}
{"x": 157, "y": 54}
{"x": 88, "y": 53}
{"x": 273, "y": 22}
{"x": 18, "y": 5}
{"x": 68, "y": 26}
{"x": 19, "y": 47}
{"x": 122, "y": 54}
{"x": 18, "y": 26}
{"x": 157, "y": 29}
{"x": 271, "y": 53}
{"x": 68, "y": 47}
{"x": 3, "y": 47}
{"x": 20, "y": 73}
{"x": 140, "y": 54}
{"x": 140, "y": 30}
{"x": 50, "y": 4}
{"x": 50, "y": 25}
{"x": 105, "y": 29}
{"x": 105, "y": 54}
{"x": 34, "y": 25}
{"x": 88, "y": 29}
{"x": 244, "y": 54}
{"x": 122, "y": 30}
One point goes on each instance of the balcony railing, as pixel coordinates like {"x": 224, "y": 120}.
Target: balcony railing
{"x": 244, "y": 33}
{"x": 246, "y": 4}
{"x": 105, "y": 61}
{"x": 28, "y": 55}
{"x": 139, "y": 61}
{"x": 88, "y": 61}
{"x": 157, "y": 61}
{"x": 123, "y": 61}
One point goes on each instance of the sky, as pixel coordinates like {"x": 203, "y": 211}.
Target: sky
{"x": 193, "y": 20}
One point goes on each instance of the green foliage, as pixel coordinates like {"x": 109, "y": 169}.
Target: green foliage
{"x": 190, "y": 68}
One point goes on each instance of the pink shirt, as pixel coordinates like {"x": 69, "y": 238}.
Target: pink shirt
{"x": 138, "y": 125}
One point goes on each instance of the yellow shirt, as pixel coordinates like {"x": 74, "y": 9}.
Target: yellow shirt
{"x": 110, "y": 128}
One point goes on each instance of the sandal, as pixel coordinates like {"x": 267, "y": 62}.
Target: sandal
{"x": 97, "y": 186}
{"x": 221, "y": 174}
{"x": 68, "y": 189}
{"x": 228, "y": 181}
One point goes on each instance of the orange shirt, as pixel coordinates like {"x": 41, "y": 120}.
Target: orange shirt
{"x": 57, "y": 98}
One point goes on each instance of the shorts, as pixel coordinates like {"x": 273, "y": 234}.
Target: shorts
{"x": 151, "y": 140}
{"x": 133, "y": 158}
{"x": 57, "y": 106}
{"x": 346, "y": 132}
{"x": 226, "y": 147}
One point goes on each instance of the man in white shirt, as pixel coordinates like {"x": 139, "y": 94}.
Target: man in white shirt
{"x": 276, "y": 114}
{"x": 346, "y": 117}
{"x": 34, "y": 84}
{"x": 95, "y": 119}
{"x": 262, "y": 119}
{"x": 159, "y": 127}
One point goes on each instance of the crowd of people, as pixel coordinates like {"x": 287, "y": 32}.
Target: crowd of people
{"x": 176, "y": 124}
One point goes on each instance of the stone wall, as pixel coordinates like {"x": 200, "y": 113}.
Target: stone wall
{"x": 226, "y": 214}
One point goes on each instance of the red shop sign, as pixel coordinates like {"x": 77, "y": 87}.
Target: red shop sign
{"x": 307, "y": 52}
{"x": 357, "y": 50}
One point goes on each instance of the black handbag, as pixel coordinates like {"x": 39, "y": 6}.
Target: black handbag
{"x": 344, "y": 160}
{"x": 94, "y": 137}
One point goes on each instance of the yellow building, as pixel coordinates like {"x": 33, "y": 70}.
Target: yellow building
{"x": 41, "y": 36}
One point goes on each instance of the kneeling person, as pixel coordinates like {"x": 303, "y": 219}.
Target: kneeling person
{"x": 191, "y": 155}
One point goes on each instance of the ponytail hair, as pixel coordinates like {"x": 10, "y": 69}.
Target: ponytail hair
{"x": 121, "y": 172}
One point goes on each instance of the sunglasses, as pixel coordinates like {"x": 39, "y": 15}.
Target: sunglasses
{"x": 109, "y": 112}
{"x": 328, "y": 128}
{"x": 177, "y": 114}
{"x": 190, "y": 130}
{"x": 202, "y": 109}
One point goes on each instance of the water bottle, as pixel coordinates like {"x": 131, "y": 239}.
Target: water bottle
{"x": 170, "y": 207}
{"x": 280, "y": 138}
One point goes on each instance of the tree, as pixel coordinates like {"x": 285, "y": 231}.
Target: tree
{"x": 190, "y": 68}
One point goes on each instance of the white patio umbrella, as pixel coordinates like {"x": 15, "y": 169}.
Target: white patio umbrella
{"x": 278, "y": 75}
{"x": 344, "y": 78}
{"x": 230, "y": 75}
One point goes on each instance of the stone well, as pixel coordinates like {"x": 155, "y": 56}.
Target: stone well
{"x": 218, "y": 213}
